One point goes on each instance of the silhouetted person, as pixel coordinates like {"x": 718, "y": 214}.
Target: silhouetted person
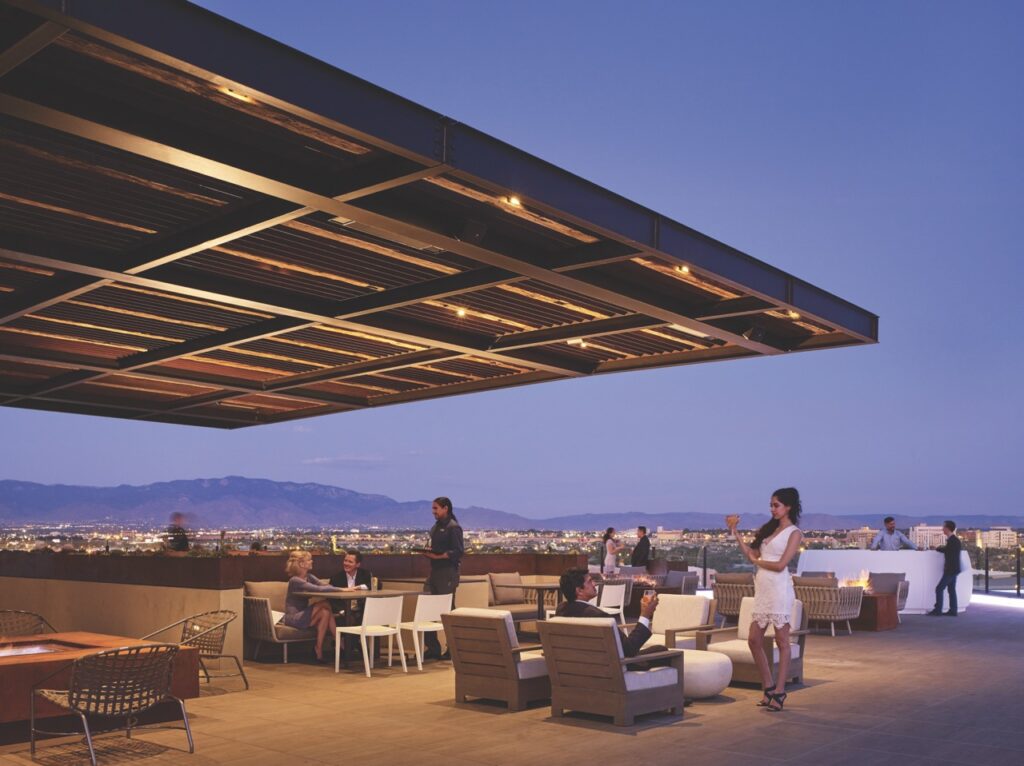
{"x": 176, "y": 538}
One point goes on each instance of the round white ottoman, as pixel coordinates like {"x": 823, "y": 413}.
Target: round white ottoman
{"x": 705, "y": 674}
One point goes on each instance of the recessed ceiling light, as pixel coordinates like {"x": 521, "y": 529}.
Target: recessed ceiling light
{"x": 460, "y": 312}
{"x": 683, "y": 269}
{"x": 514, "y": 201}
{"x": 237, "y": 94}
{"x": 793, "y": 314}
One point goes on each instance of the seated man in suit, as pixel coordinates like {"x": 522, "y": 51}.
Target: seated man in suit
{"x": 353, "y": 577}
{"x": 578, "y": 587}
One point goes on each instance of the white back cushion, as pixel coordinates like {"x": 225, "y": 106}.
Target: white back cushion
{"x": 675, "y": 611}
{"x": 492, "y": 614}
{"x": 606, "y": 621}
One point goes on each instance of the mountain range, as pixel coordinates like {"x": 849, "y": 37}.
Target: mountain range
{"x": 234, "y": 502}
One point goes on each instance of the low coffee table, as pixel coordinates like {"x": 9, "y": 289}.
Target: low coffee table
{"x": 877, "y": 612}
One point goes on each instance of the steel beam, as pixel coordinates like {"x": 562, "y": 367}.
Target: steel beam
{"x": 29, "y": 45}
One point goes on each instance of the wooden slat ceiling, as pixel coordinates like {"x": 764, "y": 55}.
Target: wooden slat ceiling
{"x": 156, "y": 263}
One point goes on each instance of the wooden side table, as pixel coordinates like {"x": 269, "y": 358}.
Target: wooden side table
{"x": 877, "y": 612}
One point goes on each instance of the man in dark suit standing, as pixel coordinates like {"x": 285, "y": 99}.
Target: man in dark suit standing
{"x": 642, "y": 552}
{"x": 950, "y": 569}
{"x": 578, "y": 587}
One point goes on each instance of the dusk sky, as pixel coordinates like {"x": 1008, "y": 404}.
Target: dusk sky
{"x": 874, "y": 149}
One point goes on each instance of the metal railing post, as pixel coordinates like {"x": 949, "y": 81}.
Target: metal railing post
{"x": 986, "y": 570}
{"x": 704, "y": 566}
{"x": 1018, "y": 571}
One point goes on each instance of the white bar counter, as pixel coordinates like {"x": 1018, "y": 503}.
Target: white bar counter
{"x": 922, "y": 568}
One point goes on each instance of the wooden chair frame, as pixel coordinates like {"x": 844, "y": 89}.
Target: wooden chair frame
{"x": 486, "y": 662}
{"x": 588, "y": 675}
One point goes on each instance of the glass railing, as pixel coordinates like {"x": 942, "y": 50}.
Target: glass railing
{"x": 996, "y": 570}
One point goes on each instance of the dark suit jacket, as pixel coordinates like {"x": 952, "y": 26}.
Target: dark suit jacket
{"x": 951, "y": 550}
{"x": 631, "y": 643}
{"x": 641, "y": 553}
{"x": 363, "y": 577}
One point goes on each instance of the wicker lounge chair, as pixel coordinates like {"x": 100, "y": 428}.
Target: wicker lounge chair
{"x": 14, "y": 622}
{"x": 730, "y": 589}
{"x": 825, "y": 601}
{"x": 119, "y": 683}
{"x": 206, "y": 632}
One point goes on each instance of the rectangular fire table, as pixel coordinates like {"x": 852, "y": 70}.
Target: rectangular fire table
{"x": 26, "y": 660}
{"x": 877, "y": 612}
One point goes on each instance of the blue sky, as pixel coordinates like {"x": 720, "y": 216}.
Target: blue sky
{"x": 874, "y": 149}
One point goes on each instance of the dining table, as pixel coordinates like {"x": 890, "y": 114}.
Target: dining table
{"x": 349, "y": 614}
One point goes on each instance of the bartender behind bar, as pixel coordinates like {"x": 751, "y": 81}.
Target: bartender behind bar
{"x": 890, "y": 538}
{"x": 445, "y": 554}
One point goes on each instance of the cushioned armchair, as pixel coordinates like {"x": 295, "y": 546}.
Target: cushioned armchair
{"x": 509, "y": 593}
{"x": 825, "y": 601}
{"x": 590, "y": 674}
{"x": 488, "y": 660}
{"x": 262, "y": 600}
{"x": 678, "y": 618}
{"x": 732, "y": 642}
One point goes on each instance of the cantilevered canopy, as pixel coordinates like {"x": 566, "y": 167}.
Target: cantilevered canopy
{"x": 199, "y": 225}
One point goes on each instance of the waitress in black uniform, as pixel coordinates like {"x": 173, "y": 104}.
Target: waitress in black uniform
{"x": 445, "y": 554}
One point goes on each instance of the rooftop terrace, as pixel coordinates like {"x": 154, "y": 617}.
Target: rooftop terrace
{"x": 935, "y": 691}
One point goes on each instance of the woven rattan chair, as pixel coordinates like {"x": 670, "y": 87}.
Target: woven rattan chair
{"x": 118, "y": 683}
{"x": 14, "y": 622}
{"x": 206, "y": 632}
{"x": 828, "y": 602}
{"x": 730, "y": 589}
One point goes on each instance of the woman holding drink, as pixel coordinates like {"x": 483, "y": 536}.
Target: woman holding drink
{"x": 774, "y": 546}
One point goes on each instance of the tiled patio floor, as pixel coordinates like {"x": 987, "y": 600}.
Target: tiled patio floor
{"x": 935, "y": 691}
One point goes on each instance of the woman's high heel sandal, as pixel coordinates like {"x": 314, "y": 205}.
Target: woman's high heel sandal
{"x": 777, "y": 701}
{"x": 766, "y": 699}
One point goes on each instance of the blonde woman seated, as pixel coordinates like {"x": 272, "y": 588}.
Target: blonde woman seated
{"x": 299, "y": 613}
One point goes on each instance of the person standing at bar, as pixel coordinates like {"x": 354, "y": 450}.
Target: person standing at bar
{"x": 445, "y": 554}
{"x": 950, "y": 569}
{"x": 890, "y": 538}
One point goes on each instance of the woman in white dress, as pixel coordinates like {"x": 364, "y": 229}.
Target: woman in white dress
{"x": 774, "y": 546}
{"x": 611, "y": 551}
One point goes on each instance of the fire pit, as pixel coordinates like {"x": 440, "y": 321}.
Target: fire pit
{"x": 17, "y": 648}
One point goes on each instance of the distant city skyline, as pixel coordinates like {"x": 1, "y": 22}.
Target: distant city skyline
{"x": 873, "y": 150}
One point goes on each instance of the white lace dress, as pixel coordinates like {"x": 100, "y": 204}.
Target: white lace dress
{"x": 773, "y": 591}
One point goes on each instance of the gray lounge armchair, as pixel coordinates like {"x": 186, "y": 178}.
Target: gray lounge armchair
{"x": 261, "y": 627}
{"x": 891, "y": 582}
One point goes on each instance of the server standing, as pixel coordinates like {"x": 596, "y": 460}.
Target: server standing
{"x": 445, "y": 554}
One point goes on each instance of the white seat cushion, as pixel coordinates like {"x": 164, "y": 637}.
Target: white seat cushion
{"x": 532, "y": 665}
{"x": 705, "y": 674}
{"x": 637, "y": 680}
{"x": 369, "y": 630}
{"x": 737, "y": 650}
{"x": 682, "y": 642}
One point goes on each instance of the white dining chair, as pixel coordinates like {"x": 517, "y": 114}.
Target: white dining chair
{"x": 427, "y": 619}
{"x": 612, "y": 601}
{"x": 382, "y": 616}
